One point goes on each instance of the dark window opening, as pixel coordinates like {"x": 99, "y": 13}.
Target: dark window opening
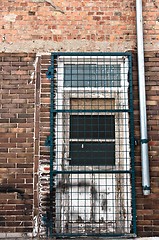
{"x": 92, "y": 140}
{"x": 92, "y": 126}
{"x": 92, "y": 153}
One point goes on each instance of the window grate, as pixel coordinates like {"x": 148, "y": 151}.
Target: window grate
{"x": 92, "y": 145}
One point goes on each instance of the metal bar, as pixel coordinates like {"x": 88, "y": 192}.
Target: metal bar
{"x": 83, "y": 54}
{"x": 51, "y": 147}
{"x": 91, "y": 172}
{"x": 85, "y": 111}
{"x": 142, "y": 98}
{"x": 124, "y": 236}
{"x": 132, "y": 145}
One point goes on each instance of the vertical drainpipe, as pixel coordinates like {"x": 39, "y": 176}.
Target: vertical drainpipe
{"x": 142, "y": 98}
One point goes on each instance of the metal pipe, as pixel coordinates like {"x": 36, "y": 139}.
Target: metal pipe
{"x": 142, "y": 98}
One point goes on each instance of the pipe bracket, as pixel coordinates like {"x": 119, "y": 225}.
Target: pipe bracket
{"x": 144, "y": 141}
{"x": 146, "y": 188}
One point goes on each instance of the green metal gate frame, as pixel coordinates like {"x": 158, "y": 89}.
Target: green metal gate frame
{"x": 50, "y": 74}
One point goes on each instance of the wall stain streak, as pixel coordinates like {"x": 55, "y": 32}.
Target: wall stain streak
{"x": 56, "y": 8}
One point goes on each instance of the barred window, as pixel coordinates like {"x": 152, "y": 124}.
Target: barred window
{"x": 93, "y": 89}
{"x": 92, "y": 139}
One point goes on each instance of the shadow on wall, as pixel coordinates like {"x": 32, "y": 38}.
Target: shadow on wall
{"x": 9, "y": 188}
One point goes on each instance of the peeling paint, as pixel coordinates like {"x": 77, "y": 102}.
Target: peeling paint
{"x": 35, "y": 228}
{"x": 10, "y": 17}
{"x": 44, "y": 168}
{"x": 99, "y": 202}
{"x": 32, "y": 77}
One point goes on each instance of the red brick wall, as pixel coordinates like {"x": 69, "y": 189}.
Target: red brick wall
{"x": 16, "y": 141}
{"x": 30, "y": 27}
{"x": 44, "y": 163}
{"x": 38, "y": 21}
{"x": 24, "y": 127}
{"x": 147, "y": 206}
{"x": 89, "y": 25}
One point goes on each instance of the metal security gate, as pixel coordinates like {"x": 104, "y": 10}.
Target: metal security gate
{"x": 91, "y": 145}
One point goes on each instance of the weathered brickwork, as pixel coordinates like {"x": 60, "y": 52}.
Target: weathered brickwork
{"x": 87, "y": 21}
{"x": 147, "y": 206}
{"x": 36, "y": 25}
{"x": 21, "y": 108}
{"x": 16, "y": 142}
{"x": 30, "y": 31}
{"x": 44, "y": 163}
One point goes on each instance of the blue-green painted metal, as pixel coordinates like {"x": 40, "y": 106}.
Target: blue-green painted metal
{"x": 50, "y": 140}
{"x": 92, "y": 172}
{"x": 132, "y": 144}
{"x": 110, "y": 236}
{"x": 85, "y": 111}
{"x": 98, "y": 54}
{"x": 50, "y": 72}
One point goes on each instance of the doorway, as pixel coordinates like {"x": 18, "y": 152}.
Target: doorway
{"x": 92, "y": 145}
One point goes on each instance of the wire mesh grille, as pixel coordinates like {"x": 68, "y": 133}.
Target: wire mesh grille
{"x": 91, "y": 159}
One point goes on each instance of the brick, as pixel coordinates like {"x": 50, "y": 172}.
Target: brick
{"x": 24, "y": 229}
{"x": 14, "y": 101}
{"x": 5, "y": 229}
{"x": 10, "y": 59}
{"x": 22, "y": 162}
{"x": 18, "y": 120}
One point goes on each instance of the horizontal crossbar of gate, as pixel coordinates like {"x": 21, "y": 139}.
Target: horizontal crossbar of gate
{"x": 91, "y": 172}
{"x": 83, "y": 111}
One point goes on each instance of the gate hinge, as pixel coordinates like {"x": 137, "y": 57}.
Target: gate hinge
{"x": 48, "y": 141}
{"x": 50, "y": 72}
